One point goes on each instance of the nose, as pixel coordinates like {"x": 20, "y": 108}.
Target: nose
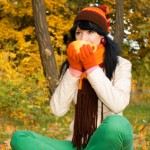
{"x": 84, "y": 37}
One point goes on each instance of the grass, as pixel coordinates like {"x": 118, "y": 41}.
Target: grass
{"x": 138, "y": 113}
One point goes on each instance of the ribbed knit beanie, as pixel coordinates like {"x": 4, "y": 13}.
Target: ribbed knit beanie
{"x": 96, "y": 14}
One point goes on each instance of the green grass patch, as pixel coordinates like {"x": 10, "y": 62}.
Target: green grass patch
{"x": 25, "y": 106}
{"x": 138, "y": 113}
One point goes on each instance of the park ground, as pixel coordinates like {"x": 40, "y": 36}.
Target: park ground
{"x": 138, "y": 113}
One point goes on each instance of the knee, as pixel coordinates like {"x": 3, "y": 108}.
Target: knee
{"x": 17, "y": 134}
{"x": 117, "y": 122}
{"x": 115, "y": 131}
{"x": 117, "y": 125}
{"x": 16, "y": 137}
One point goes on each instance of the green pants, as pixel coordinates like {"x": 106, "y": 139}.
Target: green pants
{"x": 115, "y": 133}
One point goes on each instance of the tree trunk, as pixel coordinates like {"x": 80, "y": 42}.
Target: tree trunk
{"x": 119, "y": 24}
{"x": 45, "y": 46}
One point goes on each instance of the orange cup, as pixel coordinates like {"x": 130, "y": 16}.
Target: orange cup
{"x": 78, "y": 44}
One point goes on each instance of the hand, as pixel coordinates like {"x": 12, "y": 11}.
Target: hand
{"x": 73, "y": 58}
{"x": 87, "y": 56}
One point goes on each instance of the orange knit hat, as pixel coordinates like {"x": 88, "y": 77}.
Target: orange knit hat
{"x": 96, "y": 14}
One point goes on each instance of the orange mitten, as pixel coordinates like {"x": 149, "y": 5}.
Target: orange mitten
{"x": 99, "y": 54}
{"x": 87, "y": 56}
{"x": 73, "y": 58}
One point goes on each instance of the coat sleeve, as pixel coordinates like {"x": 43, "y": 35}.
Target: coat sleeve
{"x": 64, "y": 93}
{"x": 114, "y": 95}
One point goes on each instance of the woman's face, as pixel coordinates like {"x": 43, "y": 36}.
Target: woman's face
{"x": 88, "y": 35}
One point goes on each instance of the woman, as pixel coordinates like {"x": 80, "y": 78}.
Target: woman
{"x": 98, "y": 82}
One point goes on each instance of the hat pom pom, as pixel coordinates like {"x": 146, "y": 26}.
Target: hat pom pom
{"x": 106, "y": 11}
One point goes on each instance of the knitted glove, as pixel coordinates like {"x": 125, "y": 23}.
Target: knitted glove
{"x": 87, "y": 56}
{"x": 73, "y": 58}
{"x": 99, "y": 54}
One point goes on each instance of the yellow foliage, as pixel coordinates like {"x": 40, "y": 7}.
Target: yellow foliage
{"x": 6, "y": 71}
{"x": 28, "y": 31}
{"x": 26, "y": 55}
{"x": 134, "y": 85}
{"x": 8, "y": 7}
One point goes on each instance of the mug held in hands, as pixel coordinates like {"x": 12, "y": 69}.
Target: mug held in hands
{"x": 79, "y": 43}
{"x": 81, "y": 55}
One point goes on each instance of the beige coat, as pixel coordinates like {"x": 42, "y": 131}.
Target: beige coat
{"x": 114, "y": 94}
